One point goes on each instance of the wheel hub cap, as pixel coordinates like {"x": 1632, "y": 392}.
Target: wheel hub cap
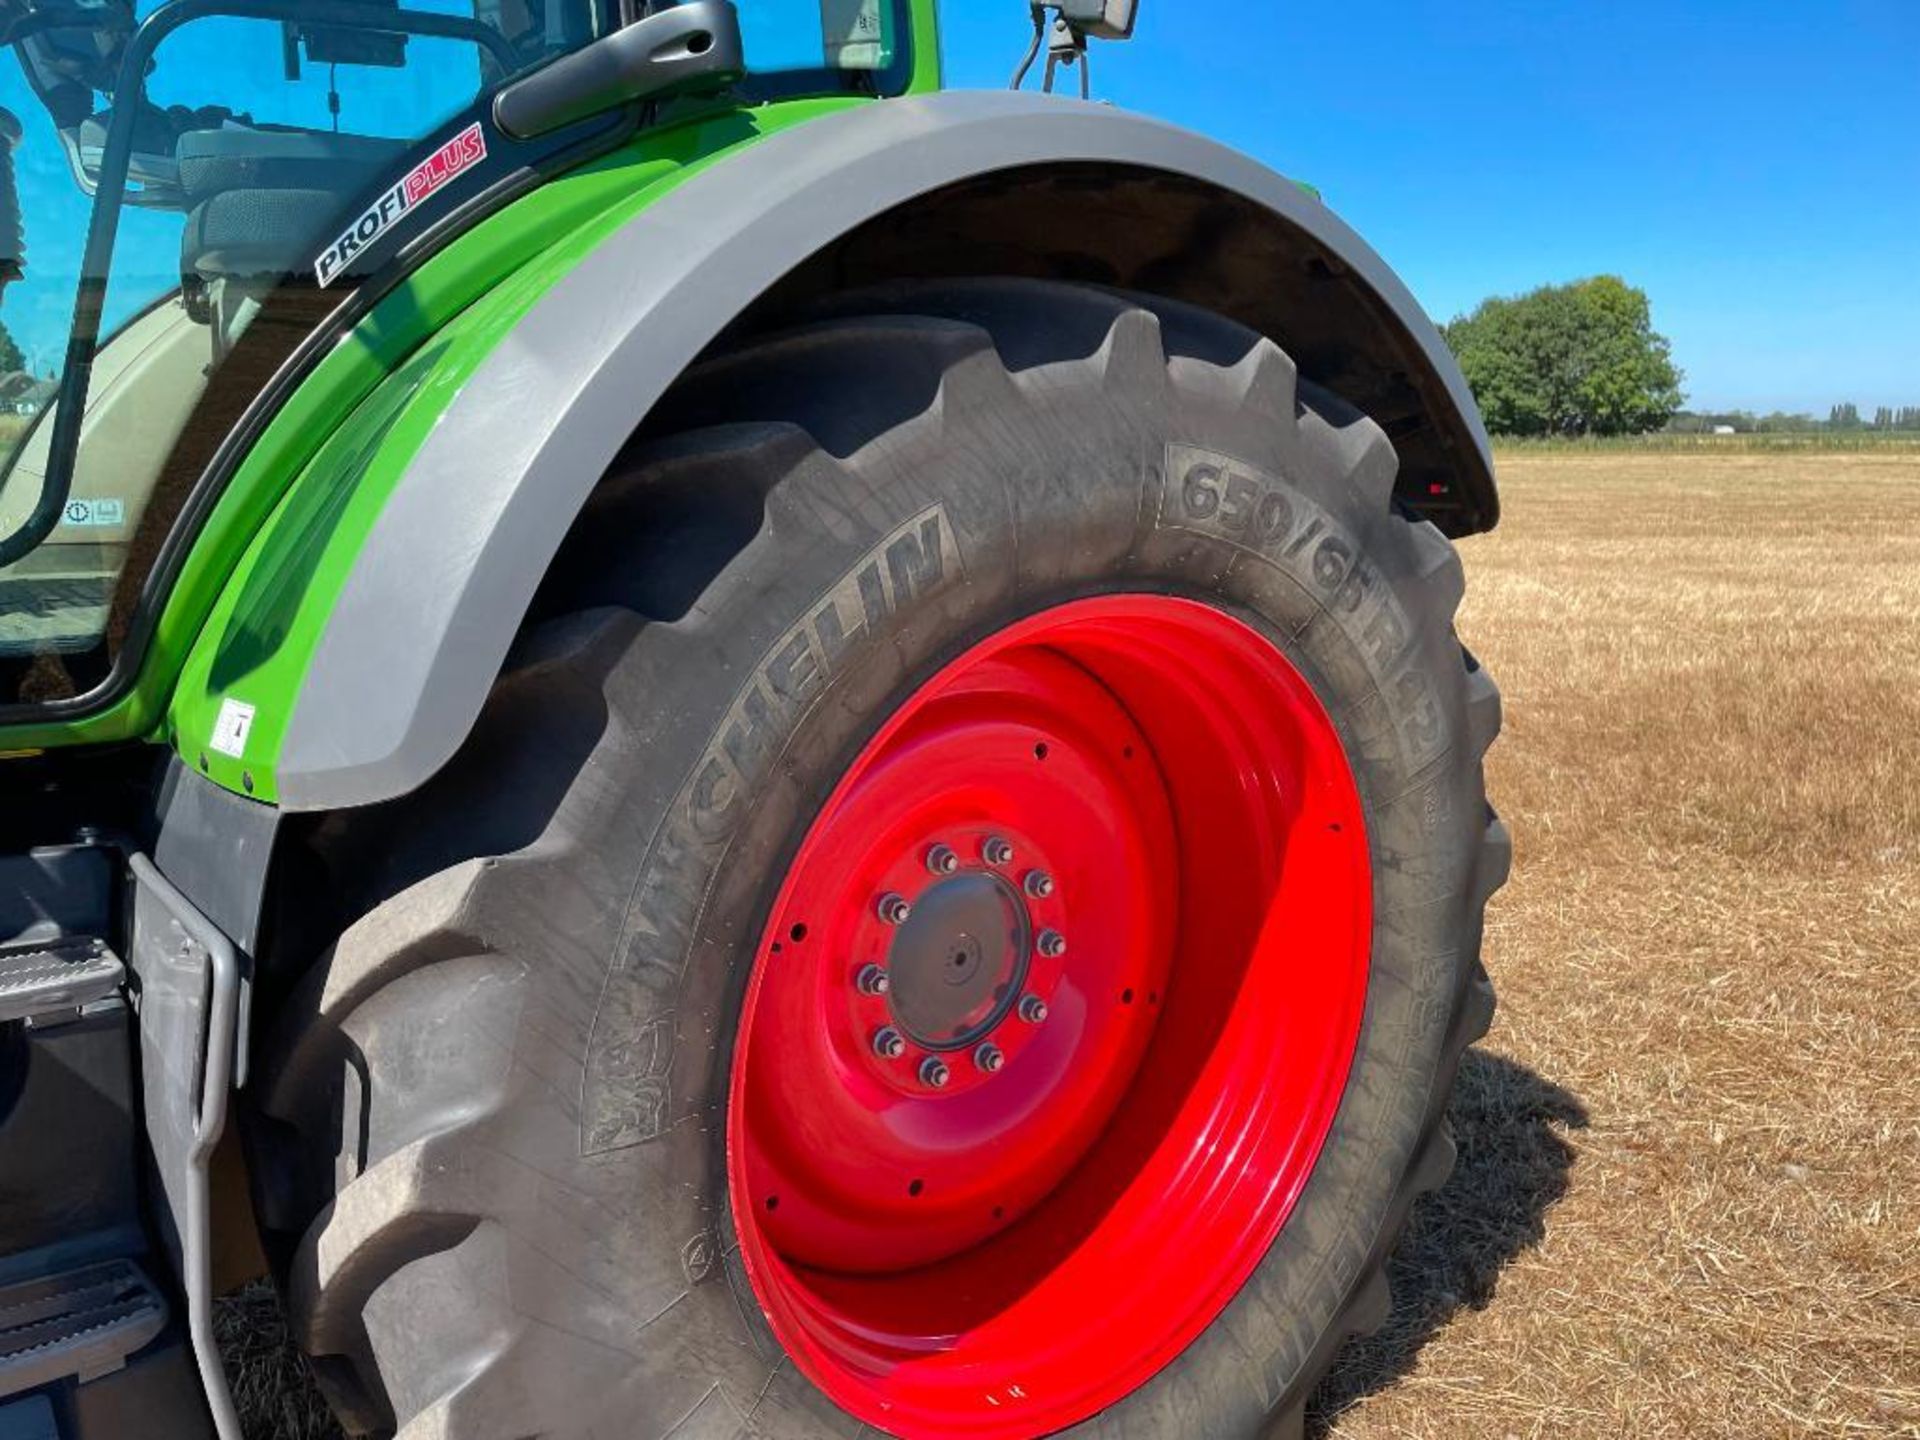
{"x": 958, "y": 964}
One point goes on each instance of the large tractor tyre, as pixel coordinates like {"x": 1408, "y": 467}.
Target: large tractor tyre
{"x": 960, "y": 918}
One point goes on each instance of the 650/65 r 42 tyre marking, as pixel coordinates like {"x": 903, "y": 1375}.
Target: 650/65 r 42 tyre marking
{"x": 819, "y": 899}
{"x": 1268, "y": 518}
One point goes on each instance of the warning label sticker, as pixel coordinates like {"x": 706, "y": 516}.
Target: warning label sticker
{"x": 231, "y": 729}
{"x": 94, "y": 514}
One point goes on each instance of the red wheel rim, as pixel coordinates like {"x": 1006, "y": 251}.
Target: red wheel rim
{"x": 1133, "y": 811}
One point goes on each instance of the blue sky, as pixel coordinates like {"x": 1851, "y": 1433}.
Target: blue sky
{"x": 1754, "y": 166}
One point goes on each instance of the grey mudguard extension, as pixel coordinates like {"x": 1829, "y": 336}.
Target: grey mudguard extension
{"x": 426, "y": 619}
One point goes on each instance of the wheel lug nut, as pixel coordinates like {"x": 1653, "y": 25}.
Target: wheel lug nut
{"x": 894, "y": 909}
{"x": 989, "y": 1058}
{"x": 1039, "y": 884}
{"x": 873, "y": 980}
{"x": 997, "y": 851}
{"x": 1033, "y": 1009}
{"x": 1051, "y": 944}
{"x": 934, "y": 1073}
{"x": 943, "y": 860}
{"x": 889, "y": 1044}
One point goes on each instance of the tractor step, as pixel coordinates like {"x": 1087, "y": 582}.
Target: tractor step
{"x": 56, "y": 975}
{"x": 77, "y": 1326}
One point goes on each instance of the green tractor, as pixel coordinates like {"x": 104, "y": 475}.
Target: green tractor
{"x": 711, "y": 742}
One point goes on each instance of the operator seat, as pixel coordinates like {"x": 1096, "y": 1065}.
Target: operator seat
{"x": 264, "y": 202}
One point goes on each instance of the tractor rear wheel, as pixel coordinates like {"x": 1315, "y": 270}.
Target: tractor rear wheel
{"x": 960, "y": 917}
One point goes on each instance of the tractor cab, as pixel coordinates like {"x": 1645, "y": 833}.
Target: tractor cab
{"x": 187, "y": 192}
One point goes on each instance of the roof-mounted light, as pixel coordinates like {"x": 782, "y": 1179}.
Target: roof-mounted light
{"x": 1063, "y": 28}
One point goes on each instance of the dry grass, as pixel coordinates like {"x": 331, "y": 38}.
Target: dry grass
{"x": 272, "y": 1388}
{"x": 1688, "y": 1202}
{"x": 1878, "y": 442}
{"x": 1689, "y": 1197}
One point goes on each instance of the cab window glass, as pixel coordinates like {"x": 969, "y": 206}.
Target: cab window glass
{"x": 818, "y": 34}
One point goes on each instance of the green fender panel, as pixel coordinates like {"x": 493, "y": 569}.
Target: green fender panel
{"x": 310, "y": 491}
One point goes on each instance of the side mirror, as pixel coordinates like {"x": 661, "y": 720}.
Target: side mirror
{"x": 1101, "y": 19}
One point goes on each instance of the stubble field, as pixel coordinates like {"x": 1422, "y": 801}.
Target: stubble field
{"x": 1688, "y": 1202}
{"x": 1688, "y": 1198}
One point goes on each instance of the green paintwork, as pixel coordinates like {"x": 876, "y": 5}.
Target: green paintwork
{"x": 927, "y": 76}
{"x": 255, "y": 592}
{"x": 445, "y": 321}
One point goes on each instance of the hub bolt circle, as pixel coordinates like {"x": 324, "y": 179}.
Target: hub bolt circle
{"x": 873, "y": 980}
{"x": 894, "y": 909}
{"x": 889, "y": 1044}
{"x": 1033, "y": 1009}
{"x": 943, "y": 860}
{"x": 997, "y": 851}
{"x": 1051, "y": 944}
{"x": 1039, "y": 884}
{"x": 934, "y": 1073}
{"x": 989, "y": 1058}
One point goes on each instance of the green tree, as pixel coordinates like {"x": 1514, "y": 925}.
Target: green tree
{"x": 1844, "y": 417}
{"x": 1579, "y": 359}
{"x": 10, "y": 357}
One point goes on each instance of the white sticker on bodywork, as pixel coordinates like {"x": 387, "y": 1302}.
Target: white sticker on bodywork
{"x": 230, "y": 731}
{"x": 95, "y": 514}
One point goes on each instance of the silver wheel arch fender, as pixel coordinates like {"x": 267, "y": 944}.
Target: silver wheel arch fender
{"x": 425, "y": 620}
